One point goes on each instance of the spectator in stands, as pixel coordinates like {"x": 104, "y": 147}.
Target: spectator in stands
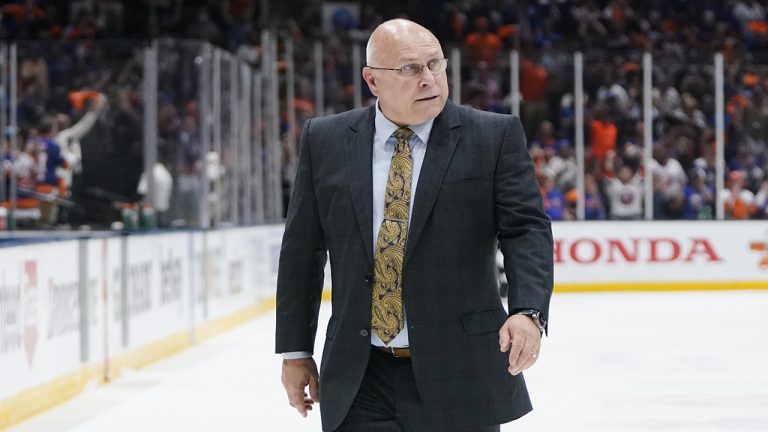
{"x": 69, "y": 136}
{"x": 34, "y": 86}
{"x": 534, "y": 84}
{"x": 611, "y": 93}
{"x": 603, "y": 134}
{"x": 106, "y": 15}
{"x": 546, "y": 139}
{"x": 160, "y": 201}
{"x": 482, "y": 45}
{"x": 590, "y": 19}
{"x": 25, "y": 165}
{"x": 482, "y": 91}
{"x": 82, "y": 27}
{"x": 554, "y": 200}
{"x": 756, "y": 117}
{"x": 761, "y": 200}
{"x": 699, "y": 198}
{"x": 748, "y": 11}
{"x": 25, "y": 19}
{"x": 669, "y": 180}
{"x": 740, "y": 203}
{"x": 204, "y": 27}
{"x": 625, "y": 195}
{"x": 689, "y": 112}
{"x": 539, "y": 158}
{"x": 563, "y": 165}
{"x": 705, "y": 162}
{"x": 251, "y": 51}
{"x": 593, "y": 202}
{"x": 50, "y": 185}
{"x": 665, "y": 97}
{"x": 746, "y": 162}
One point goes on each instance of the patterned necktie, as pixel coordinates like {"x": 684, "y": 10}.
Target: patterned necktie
{"x": 387, "y": 308}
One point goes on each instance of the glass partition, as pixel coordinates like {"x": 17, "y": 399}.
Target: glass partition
{"x": 228, "y": 129}
{"x": 80, "y": 108}
{"x": 89, "y": 98}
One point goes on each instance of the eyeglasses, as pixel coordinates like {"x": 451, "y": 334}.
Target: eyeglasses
{"x": 435, "y": 66}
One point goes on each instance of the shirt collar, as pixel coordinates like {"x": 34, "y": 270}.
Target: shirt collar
{"x": 385, "y": 128}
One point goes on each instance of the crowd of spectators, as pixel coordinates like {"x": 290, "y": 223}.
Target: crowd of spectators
{"x": 70, "y": 46}
{"x": 682, "y": 37}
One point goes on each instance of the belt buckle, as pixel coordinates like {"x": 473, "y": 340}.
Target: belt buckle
{"x": 394, "y": 353}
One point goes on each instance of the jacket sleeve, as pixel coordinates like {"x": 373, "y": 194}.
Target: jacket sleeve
{"x": 302, "y": 261}
{"x": 525, "y": 232}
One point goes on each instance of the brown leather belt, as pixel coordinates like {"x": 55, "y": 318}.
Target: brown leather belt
{"x": 395, "y": 352}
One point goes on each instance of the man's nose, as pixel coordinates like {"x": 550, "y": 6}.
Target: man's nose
{"x": 427, "y": 78}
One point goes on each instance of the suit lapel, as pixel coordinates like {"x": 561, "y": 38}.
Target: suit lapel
{"x": 359, "y": 162}
{"x": 442, "y": 143}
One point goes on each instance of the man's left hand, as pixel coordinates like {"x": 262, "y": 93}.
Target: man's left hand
{"x": 522, "y": 338}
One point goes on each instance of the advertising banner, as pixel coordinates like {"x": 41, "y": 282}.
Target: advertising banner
{"x": 156, "y": 279}
{"x": 716, "y": 255}
{"x": 39, "y": 314}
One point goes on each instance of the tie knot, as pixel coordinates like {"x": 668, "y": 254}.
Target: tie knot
{"x": 403, "y": 134}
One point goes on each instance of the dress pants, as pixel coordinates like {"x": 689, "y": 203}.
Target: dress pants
{"x": 388, "y": 400}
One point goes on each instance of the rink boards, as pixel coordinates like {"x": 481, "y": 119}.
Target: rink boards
{"x": 77, "y": 311}
{"x": 63, "y": 303}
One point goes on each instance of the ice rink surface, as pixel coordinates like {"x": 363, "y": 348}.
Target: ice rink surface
{"x": 683, "y": 362}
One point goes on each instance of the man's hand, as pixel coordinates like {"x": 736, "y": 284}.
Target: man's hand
{"x": 297, "y": 375}
{"x": 522, "y": 338}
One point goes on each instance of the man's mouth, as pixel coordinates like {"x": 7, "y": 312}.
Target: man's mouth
{"x": 426, "y": 99}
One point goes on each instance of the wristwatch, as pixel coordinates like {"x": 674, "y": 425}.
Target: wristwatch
{"x": 535, "y": 317}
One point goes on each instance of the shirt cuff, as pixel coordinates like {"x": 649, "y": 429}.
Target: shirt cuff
{"x": 295, "y": 355}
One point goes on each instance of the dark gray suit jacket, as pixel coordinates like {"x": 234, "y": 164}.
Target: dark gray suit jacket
{"x": 476, "y": 186}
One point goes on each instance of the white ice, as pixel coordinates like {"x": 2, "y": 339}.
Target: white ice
{"x": 683, "y": 362}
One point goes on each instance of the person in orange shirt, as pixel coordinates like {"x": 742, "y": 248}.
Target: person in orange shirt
{"x": 603, "y": 134}
{"x": 482, "y": 45}
{"x": 740, "y": 203}
{"x": 534, "y": 82}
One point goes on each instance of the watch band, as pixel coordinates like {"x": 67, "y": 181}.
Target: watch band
{"x": 535, "y": 317}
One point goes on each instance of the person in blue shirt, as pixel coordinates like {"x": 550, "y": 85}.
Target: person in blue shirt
{"x": 699, "y": 198}
{"x": 50, "y": 159}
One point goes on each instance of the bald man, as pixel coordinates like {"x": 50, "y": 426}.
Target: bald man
{"x": 409, "y": 199}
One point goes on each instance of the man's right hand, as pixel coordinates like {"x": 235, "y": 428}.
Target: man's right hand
{"x": 297, "y": 375}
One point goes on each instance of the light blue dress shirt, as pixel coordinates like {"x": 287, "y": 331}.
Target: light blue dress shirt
{"x": 383, "y": 148}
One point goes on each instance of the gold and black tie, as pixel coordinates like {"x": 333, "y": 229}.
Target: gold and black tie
{"x": 387, "y": 309}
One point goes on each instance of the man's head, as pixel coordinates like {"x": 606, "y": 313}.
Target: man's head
{"x": 48, "y": 127}
{"x": 405, "y": 100}
{"x": 63, "y": 121}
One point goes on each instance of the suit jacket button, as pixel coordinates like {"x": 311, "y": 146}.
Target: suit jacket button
{"x": 363, "y": 332}
{"x": 368, "y": 278}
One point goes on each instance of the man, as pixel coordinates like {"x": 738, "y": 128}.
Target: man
{"x": 50, "y": 161}
{"x": 69, "y": 135}
{"x": 418, "y": 339}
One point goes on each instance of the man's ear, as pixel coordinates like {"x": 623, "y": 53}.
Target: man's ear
{"x": 370, "y": 79}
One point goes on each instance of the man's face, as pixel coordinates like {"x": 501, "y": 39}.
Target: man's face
{"x": 408, "y": 100}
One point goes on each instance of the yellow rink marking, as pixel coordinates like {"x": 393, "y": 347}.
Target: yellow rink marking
{"x": 660, "y": 286}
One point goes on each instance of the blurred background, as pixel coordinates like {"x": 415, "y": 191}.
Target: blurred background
{"x": 149, "y": 149}
{"x": 633, "y": 110}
